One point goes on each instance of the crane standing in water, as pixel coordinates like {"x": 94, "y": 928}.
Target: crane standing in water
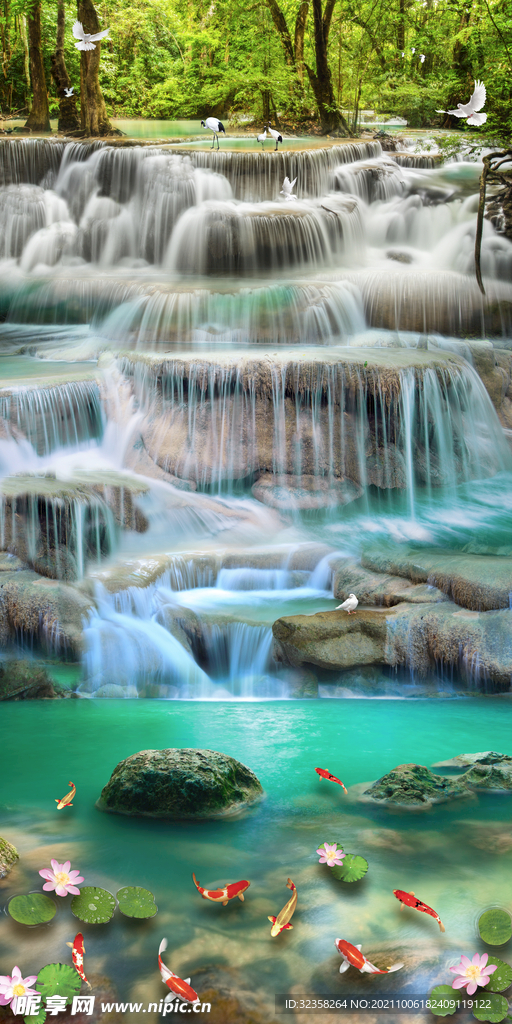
{"x": 215, "y": 126}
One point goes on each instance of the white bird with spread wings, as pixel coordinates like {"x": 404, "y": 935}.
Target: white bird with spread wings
{"x": 469, "y": 109}
{"x": 286, "y": 190}
{"x": 86, "y": 40}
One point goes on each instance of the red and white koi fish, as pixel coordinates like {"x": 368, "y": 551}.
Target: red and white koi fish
{"x": 332, "y": 778}
{"x": 224, "y": 895}
{"x": 408, "y": 899}
{"x": 281, "y": 922}
{"x": 78, "y": 949}
{"x": 177, "y": 986}
{"x": 352, "y": 957}
{"x": 66, "y": 800}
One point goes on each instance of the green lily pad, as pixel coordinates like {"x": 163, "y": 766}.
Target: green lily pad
{"x": 58, "y": 980}
{"x": 93, "y": 905}
{"x": 38, "y": 1019}
{"x": 495, "y": 927}
{"x": 490, "y": 1007}
{"x": 134, "y": 901}
{"x": 443, "y": 1001}
{"x": 501, "y": 978}
{"x": 34, "y": 908}
{"x": 352, "y": 869}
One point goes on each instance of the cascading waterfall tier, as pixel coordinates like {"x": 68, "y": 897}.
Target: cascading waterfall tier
{"x": 51, "y": 417}
{"x": 401, "y": 422}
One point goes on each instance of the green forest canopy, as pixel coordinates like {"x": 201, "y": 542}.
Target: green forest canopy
{"x": 294, "y": 58}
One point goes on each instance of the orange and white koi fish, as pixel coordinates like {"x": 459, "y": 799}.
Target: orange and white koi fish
{"x": 78, "y": 949}
{"x": 224, "y": 895}
{"x": 66, "y": 800}
{"x": 332, "y": 778}
{"x": 176, "y": 985}
{"x": 281, "y": 922}
{"x": 352, "y": 957}
{"x": 408, "y": 899}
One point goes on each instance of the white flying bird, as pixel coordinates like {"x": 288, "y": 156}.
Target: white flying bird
{"x": 286, "y": 190}
{"x": 69, "y": 92}
{"x": 469, "y": 109}
{"x": 86, "y": 40}
{"x": 349, "y": 605}
{"x": 261, "y": 138}
{"x": 275, "y": 135}
{"x": 215, "y": 126}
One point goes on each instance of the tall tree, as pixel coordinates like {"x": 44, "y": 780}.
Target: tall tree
{"x": 293, "y": 51}
{"x": 331, "y": 118}
{"x": 68, "y": 114}
{"x": 39, "y": 117}
{"x": 93, "y": 110}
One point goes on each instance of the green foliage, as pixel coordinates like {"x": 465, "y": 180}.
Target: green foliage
{"x": 501, "y": 978}
{"x": 442, "y": 1001}
{"x": 495, "y": 927}
{"x": 58, "y": 980}
{"x": 38, "y": 1018}
{"x": 497, "y": 1010}
{"x": 352, "y": 869}
{"x": 93, "y": 905}
{"x": 136, "y": 902}
{"x": 35, "y": 908}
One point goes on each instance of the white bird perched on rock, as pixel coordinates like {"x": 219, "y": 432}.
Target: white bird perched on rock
{"x": 261, "y": 138}
{"x": 469, "y": 109}
{"x": 86, "y": 40}
{"x": 69, "y": 92}
{"x": 349, "y": 605}
{"x": 215, "y": 126}
{"x": 275, "y": 135}
{"x": 286, "y": 190}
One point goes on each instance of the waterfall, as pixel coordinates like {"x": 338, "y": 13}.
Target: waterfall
{"x": 53, "y": 417}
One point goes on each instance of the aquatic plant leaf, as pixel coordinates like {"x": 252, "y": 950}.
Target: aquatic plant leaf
{"x": 501, "y": 978}
{"x": 34, "y": 908}
{"x": 58, "y": 980}
{"x": 38, "y": 1019}
{"x": 443, "y": 1001}
{"x": 352, "y": 870}
{"x": 134, "y": 901}
{"x": 495, "y": 927}
{"x": 496, "y": 1011}
{"x": 93, "y": 906}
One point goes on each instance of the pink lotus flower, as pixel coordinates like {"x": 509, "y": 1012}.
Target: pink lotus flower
{"x": 330, "y": 855}
{"x": 11, "y": 988}
{"x": 61, "y": 879}
{"x": 473, "y": 972}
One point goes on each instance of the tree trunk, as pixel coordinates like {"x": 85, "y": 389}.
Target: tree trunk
{"x": 293, "y": 52}
{"x": 331, "y": 118}
{"x": 39, "y": 117}
{"x": 401, "y": 26}
{"x": 300, "y": 28}
{"x": 93, "y": 111}
{"x": 26, "y": 60}
{"x": 68, "y": 114}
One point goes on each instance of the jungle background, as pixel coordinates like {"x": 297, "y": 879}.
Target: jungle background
{"x": 299, "y": 62}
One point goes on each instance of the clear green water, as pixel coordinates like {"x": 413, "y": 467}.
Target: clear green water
{"x": 457, "y": 857}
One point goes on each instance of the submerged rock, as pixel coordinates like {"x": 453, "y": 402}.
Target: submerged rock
{"x": 288, "y": 492}
{"x": 413, "y": 784}
{"x": 26, "y": 680}
{"x": 180, "y": 784}
{"x": 8, "y": 857}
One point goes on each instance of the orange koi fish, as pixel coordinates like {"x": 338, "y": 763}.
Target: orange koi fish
{"x": 281, "y": 922}
{"x": 332, "y": 778}
{"x": 224, "y": 895}
{"x": 408, "y": 899}
{"x": 78, "y": 956}
{"x": 66, "y": 800}
{"x": 352, "y": 957}
{"x": 177, "y": 986}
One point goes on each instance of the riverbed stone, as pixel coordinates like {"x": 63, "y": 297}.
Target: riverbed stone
{"x": 8, "y": 857}
{"x": 180, "y": 784}
{"x": 287, "y": 492}
{"x": 411, "y": 785}
{"x": 26, "y": 680}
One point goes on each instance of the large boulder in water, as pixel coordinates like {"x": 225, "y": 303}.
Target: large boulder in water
{"x": 8, "y": 857}
{"x": 413, "y": 785}
{"x": 489, "y": 776}
{"x": 180, "y": 784}
{"x": 467, "y": 760}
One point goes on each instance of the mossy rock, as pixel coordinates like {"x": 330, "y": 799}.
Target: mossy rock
{"x": 180, "y": 784}
{"x": 26, "y": 680}
{"x": 134, "y": 901}
{"x": 32, "y": 909}
{"x": 93, "y": 905}
{"x": 8, "y": 857}
{"x": 414, "y": 785}
{"x": 495, "y": 927}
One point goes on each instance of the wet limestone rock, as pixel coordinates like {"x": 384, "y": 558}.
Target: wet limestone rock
{"x": 26, "y": 680}
{"x": 8, "y": 857}
{"x": 288, "y": 492}
{"x": 411, "y": 785}
{"x": 179, "y": 784}
{"x": 43, "y": 610}
{"x": 377, "y": 588}
{"x": 489, "y": 776}
{"x": 481, "y": 757}
{"x": 332, "y": 639}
